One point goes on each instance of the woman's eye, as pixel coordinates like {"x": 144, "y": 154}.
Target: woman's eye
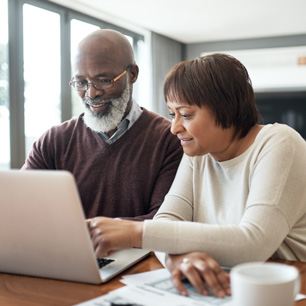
{"x": 171, "y": 115}
{"x": 184, "y": 116}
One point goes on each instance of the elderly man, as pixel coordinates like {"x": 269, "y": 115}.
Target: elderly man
{"x": 123, "y": 157}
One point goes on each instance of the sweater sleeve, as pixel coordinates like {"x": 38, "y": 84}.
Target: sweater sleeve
{"x": 228, "y": 244}
{"x": 41, "y": 155}
{"x": 273, "y": 220}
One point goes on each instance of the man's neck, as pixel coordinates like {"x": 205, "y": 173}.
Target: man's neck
{"x": 111, "y": 133}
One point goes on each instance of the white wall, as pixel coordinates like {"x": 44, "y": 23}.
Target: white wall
{"x": 273, "y": 69}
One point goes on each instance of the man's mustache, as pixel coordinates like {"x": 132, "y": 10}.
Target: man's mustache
{"x": 90, "y": 101}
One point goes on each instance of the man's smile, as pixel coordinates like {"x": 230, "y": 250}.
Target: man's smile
{"x": 97, "y": 107}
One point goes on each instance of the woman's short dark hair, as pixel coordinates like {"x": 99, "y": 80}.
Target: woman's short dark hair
{"x": 218, "y": 82}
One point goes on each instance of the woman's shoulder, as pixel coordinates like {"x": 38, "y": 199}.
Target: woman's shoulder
{"x": 280, "y": 131}
{"x": 279, "y": 137}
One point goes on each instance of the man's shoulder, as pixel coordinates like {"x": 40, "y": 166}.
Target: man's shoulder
{"x": 66, "y": 129}
{"x": 155, "y": 129}
{"x": 150, "y": 117}
{"x": 73, "y": 123}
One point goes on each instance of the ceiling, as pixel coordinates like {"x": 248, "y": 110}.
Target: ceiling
{"x": 192, "y": 21}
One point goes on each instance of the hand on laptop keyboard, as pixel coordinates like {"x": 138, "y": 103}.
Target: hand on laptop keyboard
{"x": 102, "y": 262}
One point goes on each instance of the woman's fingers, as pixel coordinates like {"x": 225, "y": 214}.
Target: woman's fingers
{"x": 214, "y": 278}
{"x": 224, "y": 281}
{"x": 192, "y": 274}
{"x": 176, "y": 277}
{"x": 202, "y": 271}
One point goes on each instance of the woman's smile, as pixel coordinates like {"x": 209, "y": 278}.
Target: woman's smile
{"x": 184, "y": 140}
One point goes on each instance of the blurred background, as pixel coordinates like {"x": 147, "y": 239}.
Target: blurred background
{"x": 38, "y": 39}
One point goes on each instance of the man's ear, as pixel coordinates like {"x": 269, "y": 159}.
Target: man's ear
{"x": 134, "y": 70}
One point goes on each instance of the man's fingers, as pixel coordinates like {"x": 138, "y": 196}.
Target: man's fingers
{"x": 100, "y": 253}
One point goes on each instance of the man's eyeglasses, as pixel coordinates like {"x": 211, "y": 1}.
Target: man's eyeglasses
{"x": 100, "y": 84}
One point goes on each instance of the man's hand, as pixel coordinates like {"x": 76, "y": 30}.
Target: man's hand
{"x": 109, "y": 235}
{"x": 201, "y": 270}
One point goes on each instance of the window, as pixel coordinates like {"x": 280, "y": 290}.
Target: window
{"x": 4, "y": 103}
{"x": 79, "y": 30}
{"x": 42, "y": 107}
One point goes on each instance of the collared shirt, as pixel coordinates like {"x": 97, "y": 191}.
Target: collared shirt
{"x": 125, "y": 124}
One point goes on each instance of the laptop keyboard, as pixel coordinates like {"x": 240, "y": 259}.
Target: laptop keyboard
{"x": 102, "y": 262}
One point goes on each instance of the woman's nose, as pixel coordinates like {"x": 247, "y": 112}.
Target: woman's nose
{"x": 176, "y": 126}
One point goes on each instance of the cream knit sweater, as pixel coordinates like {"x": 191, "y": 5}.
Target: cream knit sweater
{"x": 250, "y": 208}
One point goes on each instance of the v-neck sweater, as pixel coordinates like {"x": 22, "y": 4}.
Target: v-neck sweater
{"x": 126, "y": 179}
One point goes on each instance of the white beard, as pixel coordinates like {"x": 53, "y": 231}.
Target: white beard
{"x": 104, "y": 122}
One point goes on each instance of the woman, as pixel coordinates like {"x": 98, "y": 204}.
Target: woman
{"x": 240, "y": 188}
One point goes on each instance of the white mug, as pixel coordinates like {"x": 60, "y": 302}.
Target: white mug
{"x": 264, "y": 284}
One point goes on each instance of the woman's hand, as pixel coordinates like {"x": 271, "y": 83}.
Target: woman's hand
{"x": 109, "y": 235}
{"x": 198, "y": 267}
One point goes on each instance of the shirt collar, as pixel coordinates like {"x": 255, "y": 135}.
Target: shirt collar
{"x": 125, "y": 124}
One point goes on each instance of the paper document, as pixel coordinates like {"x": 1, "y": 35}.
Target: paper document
{"x": 160, "y": 280}
{"x": 151, "y": 289}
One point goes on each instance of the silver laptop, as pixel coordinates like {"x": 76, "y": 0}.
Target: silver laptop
{"x": 43, "y": 231}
